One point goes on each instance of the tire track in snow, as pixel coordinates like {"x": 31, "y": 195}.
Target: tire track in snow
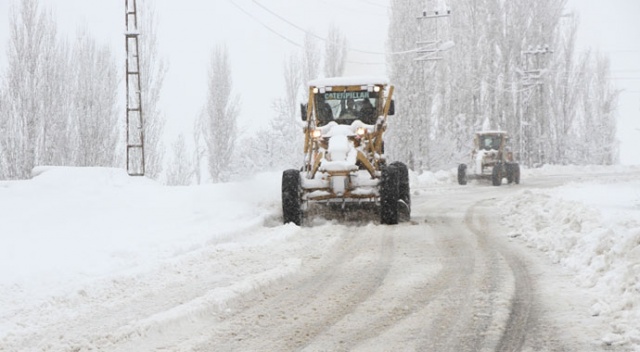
{"x": 460, "y": 320}
{"x": 520, "y": 327}
{"x": 515, "y": 322}
{"x": 448, "y": 307}
{"x": 407, "y": 287}
{"x": 295, "y": 312}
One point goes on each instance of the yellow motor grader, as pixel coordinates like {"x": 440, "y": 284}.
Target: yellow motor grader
{"x": 490, "y": 159}
{"x": 344, "y": 163}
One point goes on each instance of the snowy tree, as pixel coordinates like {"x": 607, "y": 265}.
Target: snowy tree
{"x": 408, "y": 130}
{"x": 598, "y": 144}
{"x": 256, "y": 153}
{"x": 335, "y": 52}
{"x": 218, "y": 119}
{"x": 499, "y": 75}
{"x": 311, "y": 58}
{"x": 569, "y": 74}
{"x": 94, "y": 103}
{"x": 59, "y": 105}
{"x": 200, "y": 148}
{"x": 33, "y": 98}
{"x": 58, "y": 148}
{"x": 281, "y": 146}
{"x": 180, "y": 170}
{"x": 153, "y": 68}
{"x": 286, "y": 127}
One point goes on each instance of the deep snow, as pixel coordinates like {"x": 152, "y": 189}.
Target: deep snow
{"x": 70, "y": 229}
{"x": 592, "y": 228}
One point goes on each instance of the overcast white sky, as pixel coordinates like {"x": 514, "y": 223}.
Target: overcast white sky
{"x": 190, "y": 29}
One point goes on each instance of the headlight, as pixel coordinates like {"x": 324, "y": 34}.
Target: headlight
{"x": 376, "y": 89}
{"x": 316, "y": 133}
{"x": 360, "y": 131}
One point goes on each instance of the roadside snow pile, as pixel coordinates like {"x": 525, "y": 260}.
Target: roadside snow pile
{"x": 594, "y": 230}
{"x": 428, "y": 178}
{"x": 69, "y": 225}
{"x": 61, "y": 176}
{"x": 547, "y": 169}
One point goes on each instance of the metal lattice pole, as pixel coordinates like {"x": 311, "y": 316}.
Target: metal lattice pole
{"x": 135, "y": 122}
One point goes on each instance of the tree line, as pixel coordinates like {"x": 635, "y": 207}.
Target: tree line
{"x": 514, "y": 67}
{"x": 221, "y": 150}
{"x": 59, "y": 99}
{"x": 50, "y": 112}
{"x": 59, "y": 105}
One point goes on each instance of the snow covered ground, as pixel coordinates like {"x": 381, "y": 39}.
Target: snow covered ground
{"x": 70, "y": 235}
{"x": 592, "y": 228}
{"x": 68, "y": 226}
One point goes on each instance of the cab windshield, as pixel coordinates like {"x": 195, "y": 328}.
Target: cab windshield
{"x": 490, "y": 142}
{"x": 346, "y": 107}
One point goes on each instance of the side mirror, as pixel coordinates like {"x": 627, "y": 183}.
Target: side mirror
{"x": 303, "y": 112}
{"x": 392, "y": 108}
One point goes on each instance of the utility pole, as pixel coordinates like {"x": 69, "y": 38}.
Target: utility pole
{"x": 135, "y": 122}
{"x": 534, "y": 125}
{"x": 429, "y": 50}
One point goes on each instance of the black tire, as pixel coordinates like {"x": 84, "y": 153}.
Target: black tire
{"x": 515, "y": 169}
{"x": 496, "y": 175}
{"x": 389, "y": 190}
{"x": 291, "y": 202}
{"x": 462, "y": 174}
{"x": 404, "y": 191}
{"x": 509, "y": 169}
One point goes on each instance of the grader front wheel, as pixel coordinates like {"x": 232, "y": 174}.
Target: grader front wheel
{"x": 389, "y": 195}
{"x": 291, "y": 202}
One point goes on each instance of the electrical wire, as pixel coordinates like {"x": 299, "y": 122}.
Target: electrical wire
{"x": 264, "y": 25}
{"x": 311, "y": 33}
{"x": 326, "y": 40}
{"x": 290, "y": 41}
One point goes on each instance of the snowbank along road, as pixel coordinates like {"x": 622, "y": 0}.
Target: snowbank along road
{"x": 448, "y": 280}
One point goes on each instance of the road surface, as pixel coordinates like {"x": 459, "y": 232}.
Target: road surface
{"x": 448, "y": 280}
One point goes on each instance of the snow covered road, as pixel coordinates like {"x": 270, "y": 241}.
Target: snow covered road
{"x": 459, "y": 277}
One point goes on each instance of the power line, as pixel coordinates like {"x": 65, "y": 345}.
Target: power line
{"x": 291, "y": 41}
{"x": 264, "y": 25}
{"x": 326, "y": 40}
{"x": 311, "y": 33}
